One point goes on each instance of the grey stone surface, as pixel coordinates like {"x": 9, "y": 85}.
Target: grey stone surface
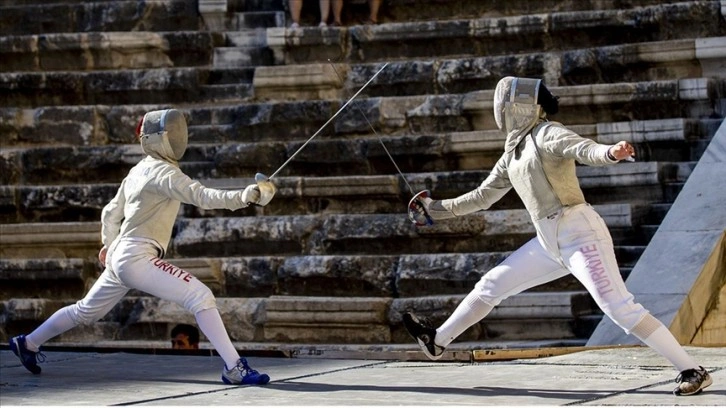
{"x": 353, "y": 376}
{"x": 665, "y": 273}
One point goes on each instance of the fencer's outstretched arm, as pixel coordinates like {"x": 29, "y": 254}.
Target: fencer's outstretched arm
{"x": 560, "y": 141}
{"x": 491, "y": 190}
{"x": 178, "y": 186}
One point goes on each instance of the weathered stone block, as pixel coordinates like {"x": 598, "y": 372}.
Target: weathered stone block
{"x": 299, "y": 82}
{"x": 251, "y": 276}
{"x": 326, "y": 320}
{"x": 45, "y": 278}
{"x": 357, "y": 276}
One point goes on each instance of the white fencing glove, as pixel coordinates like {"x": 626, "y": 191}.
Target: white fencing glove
{"x": 251, "y": 195}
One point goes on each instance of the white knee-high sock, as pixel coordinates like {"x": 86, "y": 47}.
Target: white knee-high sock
{"x": 59, "y": 322}
{"x": 471, "y": 310}
{"x": 210, "y": 322}
{"x": 656, "y": 336}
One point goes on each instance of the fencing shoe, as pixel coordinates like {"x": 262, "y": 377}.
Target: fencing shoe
{"x": 424, "y": 333}
{"x": 692, "y": 381}
{"x": 30, "y": 359}
{"x": 242, "y": 374}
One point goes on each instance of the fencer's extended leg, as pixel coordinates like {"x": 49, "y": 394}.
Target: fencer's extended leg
{"x": 528, "y": 266}
{"x": 105, "y": 293}
{"x": 594, "y": 264}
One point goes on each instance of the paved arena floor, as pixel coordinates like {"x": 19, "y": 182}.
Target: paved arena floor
{"x": 632, "y": 376}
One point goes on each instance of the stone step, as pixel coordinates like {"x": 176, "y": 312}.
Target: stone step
{"x": 425, "y": 10}
{"x": 90, "y": 51}
{"x": 246, "y": 38}
{"x": 525, "y": 32}
{"x": 90, "y": 16}
{"x": 324, "y": 234}
{"x": 318, "y": 320}
{"x": 298, "y": 120}
{"x": 360, "y": 194}
{"x": 250, "y": 20}
{"x": 123, "y": 16}
{"x": 55, "y": 278}
{"x": 232, "y": 57}
{"x": 226, "y": 93}
{"x": 163, "y": 86}
{"x": 346, "y": 155}
{"x": 26, "y": 274}
{"x": 643, "y": 61}
{"x": 312, "y": 257}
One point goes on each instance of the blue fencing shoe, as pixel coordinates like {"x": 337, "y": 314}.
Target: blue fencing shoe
{"x": 30, "y": 359}
{"x": 242, "y": 373}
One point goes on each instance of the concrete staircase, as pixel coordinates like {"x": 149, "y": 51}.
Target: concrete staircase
{"x": 333, "y": 259}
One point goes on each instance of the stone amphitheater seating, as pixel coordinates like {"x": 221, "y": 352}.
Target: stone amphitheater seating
{"x": 333, "y": 258}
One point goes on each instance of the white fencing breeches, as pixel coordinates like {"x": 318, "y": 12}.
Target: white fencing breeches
{"x": 575, "y": 240}
{"x": 135, "y": 265}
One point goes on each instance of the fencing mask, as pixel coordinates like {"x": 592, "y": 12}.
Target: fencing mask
{"x": 519, "y": 104}
{"x": 163, "y": 134}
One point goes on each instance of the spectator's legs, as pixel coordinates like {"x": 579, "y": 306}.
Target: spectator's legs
{"x": 324, "y": 12}
{"x": 295, "y": 9}
{"x": 337, "y": 12}
{"x": 374, "y": 5}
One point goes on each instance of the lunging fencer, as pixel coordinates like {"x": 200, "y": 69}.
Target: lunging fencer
{"x": 539, "y": 163}
{"x": 136, "y": 230}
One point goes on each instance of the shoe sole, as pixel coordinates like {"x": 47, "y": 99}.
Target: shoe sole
{"x": 264, "y": 379}
{"x": 426, "y": 351}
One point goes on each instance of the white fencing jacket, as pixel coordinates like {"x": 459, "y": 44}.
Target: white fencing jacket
{"x": 148, "y": 200}
{"x": 543, "y": 176}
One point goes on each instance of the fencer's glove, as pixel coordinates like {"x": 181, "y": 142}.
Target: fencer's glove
{"x": 423, "y": 210}
{"x": 251, "y": 195}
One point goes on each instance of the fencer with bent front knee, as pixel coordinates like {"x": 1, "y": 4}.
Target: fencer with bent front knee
{"x": 539, "y": 163}
{"x": 136, "y": 227}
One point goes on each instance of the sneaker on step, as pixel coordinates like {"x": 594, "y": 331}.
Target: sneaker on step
{"x": 242, "y": 374}
{"x": 424, "y": 333}
{"x": 28, "y": 358}
{"x": 692, "y": 381}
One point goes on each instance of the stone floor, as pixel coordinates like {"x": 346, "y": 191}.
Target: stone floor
{"x": 632, "y": 376}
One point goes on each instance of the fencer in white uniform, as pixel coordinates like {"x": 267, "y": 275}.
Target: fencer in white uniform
{"x": 571, "y": 238}
{"x": 136, "y": 229}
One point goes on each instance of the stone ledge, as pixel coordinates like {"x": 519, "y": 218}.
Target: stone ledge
{"x": 578, "y": 102}
{"x": 316, "y": 319}
{"x": 106, "y": 50}
{"x": 334, "y": 195}
{"x": 365, "y": 155}
{"x": 330, "y": 234}
{"x": 49, "y": 278}
{"x": 50, "y": 240}
{"x": 111, "y": 87}
{"x": 632, "y": 62}
{"x": 300, "y": 82}
{"x": 124, "y": 15}
{"x": 296, "y": 121}
{"x": 495, "y": 35}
